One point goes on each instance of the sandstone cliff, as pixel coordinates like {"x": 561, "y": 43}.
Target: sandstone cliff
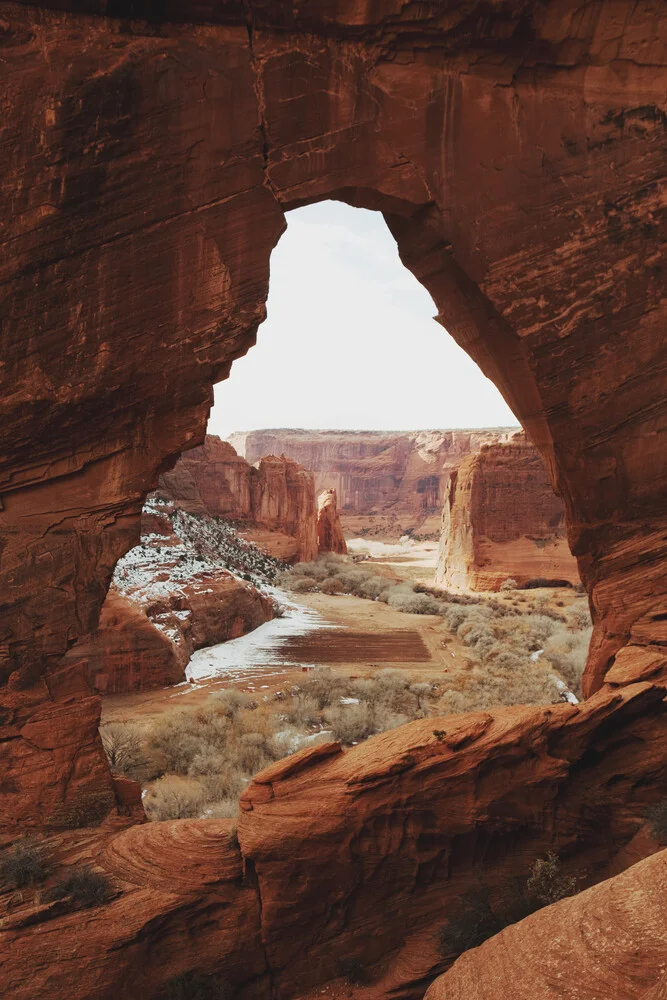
{"x": 386, "y": 483}
{"x": 330, "y": 536}
{"x": 361, "y": 854}
{"x": 516, "y": 151}
{"x": 170, "y": 596}
{"x": 274, "y": 502}
{"x": 609, "y": 942}
{"x": 500, "y": 520}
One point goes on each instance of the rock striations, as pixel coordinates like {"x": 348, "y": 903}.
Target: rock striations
{"x": 516, "y": 151}
{"x": 387, "y": 483}
{"x": 500, "y": 520}
{"x": 608, "y": 942}
{"x": 274, "y": 502}
{"x": 330, "y": 536}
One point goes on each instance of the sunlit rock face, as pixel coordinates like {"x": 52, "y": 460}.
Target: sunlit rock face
{"x": 515, "y": 151}
{"x": 274, "y": 502}
{"x": 501, "y": 520}
{"x": 330, "y": 536}
{"x": 387, "y": 484}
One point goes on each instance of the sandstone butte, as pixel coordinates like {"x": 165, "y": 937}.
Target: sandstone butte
{"x": 275, "y": 502}
{"x": 150, "y": 626}
{"x": 500, "y": 520}
{"x": 149, "y": 156}
{"x": 330, "y": 536}
{"x": 387, "y": 483}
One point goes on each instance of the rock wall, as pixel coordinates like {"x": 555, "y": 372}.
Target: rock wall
{"x": 500, "y": 520}
{"x": 168, "y": 598}
{"x": 330, "y": 536}
{"x": 361, "y": 854}
{"x": 609, "y": 941}
{"x": 386, "y": 483}
{"x": 516, "y": 152}
{"x": 277, "y": 497}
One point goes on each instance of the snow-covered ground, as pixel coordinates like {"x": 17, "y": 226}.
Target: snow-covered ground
{"x": 202, "y": 546}
{"x": 255, "y": 653}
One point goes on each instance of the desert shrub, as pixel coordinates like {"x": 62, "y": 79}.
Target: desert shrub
{"x": 350, "y": 723}
{"x": 354, "y": 971}
{"x": 657, "y": 817}
{"x": 324, "y": 685}
{"x": 302, "y": 585}
{"x": 226, "y": 783}
{"x": 225, "y": 809}
{"x": 539, "y": 628}
{"x": 332, "y": 585}
{"x": 196, "y": 986}
{"x": 547, "y": 883}
{"x": 174, "y": 797}
{"x": 84, "y": 886}
{"x": 527, "y": 683}
{"x": 229, "y": 701}
{"x": 372, "y": 587}
{"x": 580, "y": 616}
{"x": 414, "y": 604}
{"x": 22, "y": 864}
{"x": 509, "y": 584}
{"x": 567, "y": 653}
{"x": 303, "y": 710}
{"x": 126, "y": 750}
{"x": 422, "y": 691}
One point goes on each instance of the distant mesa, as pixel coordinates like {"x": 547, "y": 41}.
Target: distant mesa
{"x": 501, "y": 520}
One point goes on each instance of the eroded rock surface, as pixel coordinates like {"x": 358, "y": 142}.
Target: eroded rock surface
{"x": 276, "y": 498}
{"x": 330, "y": 536}
{"x": 501, "y": 520}
{"x": 169, "y": 597}
{"x": 609, "y": 941}
{"x": 386, "y": 483}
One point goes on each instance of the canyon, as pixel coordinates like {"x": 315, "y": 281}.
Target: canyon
{"x": 516, "y": 153}
{"x": 387, "y": 484}
{"x": 501, "y": 521}
{"x": 274, "y": 503}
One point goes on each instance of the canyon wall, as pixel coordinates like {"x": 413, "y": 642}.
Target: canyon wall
{"x": 501, "y": 520}
{"x": 516, "y": 151}
{"x": 330, "y": 536}
{"x": 386, "y": 483}
{"x": 274, "y": 502}
{"x": 170, "y": 596}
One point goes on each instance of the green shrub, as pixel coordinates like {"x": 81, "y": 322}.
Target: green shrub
{"x": 547, "y": 883}
{"x": 22, "y": 864}
{"x": 84, "y": 886}
{"x": 471, "y": 922}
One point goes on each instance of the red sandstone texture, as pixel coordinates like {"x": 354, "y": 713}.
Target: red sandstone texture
{"x": 358, "y": 854}
{"x": 276, "y": 498}
{"x": 386, "y": 483}
{"x": 516, "y": 152}
{"x": 169, "y": 597}
{"x": 608, "y": 942}
{"x": 330, "y": 536}
{"x": 501, "y": 520}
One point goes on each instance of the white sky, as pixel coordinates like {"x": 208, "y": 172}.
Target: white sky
{"x": 350, "y": 342}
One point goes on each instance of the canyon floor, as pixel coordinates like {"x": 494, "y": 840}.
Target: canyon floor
{"x": 351, "y": 634}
